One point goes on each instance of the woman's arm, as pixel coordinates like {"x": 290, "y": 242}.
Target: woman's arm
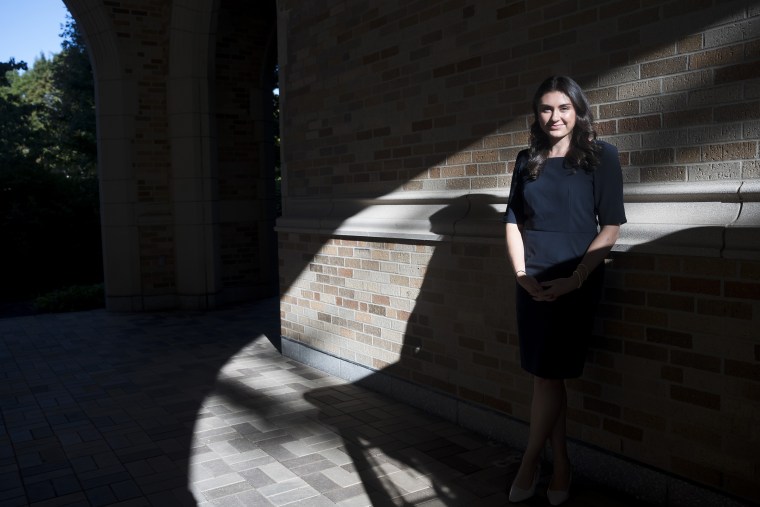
{"x": 516, "y": 254}
{"x": 515, "y": 248}
{"x": 599, "y": 248}
{"x": 595, "y": 254}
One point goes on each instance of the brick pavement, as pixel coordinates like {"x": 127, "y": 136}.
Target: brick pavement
{"x": 200, "y": 409}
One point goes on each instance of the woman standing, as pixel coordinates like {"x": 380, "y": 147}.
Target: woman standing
{"x": 563, "y": 216}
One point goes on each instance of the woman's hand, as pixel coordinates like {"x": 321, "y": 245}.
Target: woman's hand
{"x": 529, "y": 283}
{"x": 552, "y": 289}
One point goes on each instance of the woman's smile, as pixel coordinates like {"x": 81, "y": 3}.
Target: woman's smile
{"x": 557, "y": 115}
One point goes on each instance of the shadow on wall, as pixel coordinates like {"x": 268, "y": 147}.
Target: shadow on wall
{"x": 462, "y": 326}
{"x": 463, "y": 311}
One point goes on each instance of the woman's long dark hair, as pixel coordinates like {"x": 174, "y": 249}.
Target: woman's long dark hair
{"x": 583, "y": 150}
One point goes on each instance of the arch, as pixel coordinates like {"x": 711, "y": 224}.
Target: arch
{"x": 191, "y": 133}
{"x": 191, "y": 216}
{"x": 115, "y": 98}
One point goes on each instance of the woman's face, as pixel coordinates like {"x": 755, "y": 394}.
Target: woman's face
{"x": 556, "y": 115}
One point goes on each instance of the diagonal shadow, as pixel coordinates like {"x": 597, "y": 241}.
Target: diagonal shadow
{"x": 452, "y": 308}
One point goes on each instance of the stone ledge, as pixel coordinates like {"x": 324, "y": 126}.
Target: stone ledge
{"x": 712, "y": 219}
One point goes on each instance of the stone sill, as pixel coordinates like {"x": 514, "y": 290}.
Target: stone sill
{"x": 707, "y": 219}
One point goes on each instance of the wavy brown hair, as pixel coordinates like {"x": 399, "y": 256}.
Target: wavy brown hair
{"x": 583, "y": 152}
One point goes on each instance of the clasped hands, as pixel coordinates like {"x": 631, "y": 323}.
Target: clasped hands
{"x": 549, "y": 290}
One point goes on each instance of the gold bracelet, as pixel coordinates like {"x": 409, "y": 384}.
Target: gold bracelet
{"x": 580, "y": 281}
{"x": 520, "y": 271}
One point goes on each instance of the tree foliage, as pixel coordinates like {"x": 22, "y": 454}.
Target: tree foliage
{"x": 73, "y": 112}
{"x": 49, "y": 209}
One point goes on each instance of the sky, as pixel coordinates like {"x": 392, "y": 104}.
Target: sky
{"x": 30, "y": 27}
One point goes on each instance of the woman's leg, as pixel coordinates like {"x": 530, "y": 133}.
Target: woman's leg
{"x": 561, "y": 473}
{"x": 547, "y": 414}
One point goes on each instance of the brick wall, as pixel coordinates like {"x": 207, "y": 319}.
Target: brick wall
{"x": 672, "y": 379}
{"x": 393, "y": 105}
{"x": 435, "y": 314}
{"x": 435, "y": 97}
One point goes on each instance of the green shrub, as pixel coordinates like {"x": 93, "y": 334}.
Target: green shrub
{"x": 71, "y": 299}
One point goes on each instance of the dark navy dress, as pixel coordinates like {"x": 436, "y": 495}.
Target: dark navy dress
{"x": 560, "y": 213}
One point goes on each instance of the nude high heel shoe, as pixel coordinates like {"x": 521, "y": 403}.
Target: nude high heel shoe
{"x": 520, "y": 495}
{"x": 559, "y": 496}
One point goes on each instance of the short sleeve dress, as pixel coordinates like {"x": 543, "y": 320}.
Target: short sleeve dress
{"x": 559, "y": 214}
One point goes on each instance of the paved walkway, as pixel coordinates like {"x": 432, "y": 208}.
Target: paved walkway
{"x": 200, "y": 409}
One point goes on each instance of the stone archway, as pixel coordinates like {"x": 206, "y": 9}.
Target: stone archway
{"x": 185, "y": 223}
{"x": 114, "y": 96}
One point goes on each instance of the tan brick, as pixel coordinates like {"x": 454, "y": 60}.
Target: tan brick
{"x": 729, "y": 151}
{"x": 646, "y": 351}
{"x": 622, "y": 429}
{"x": 692, "y": 80}
{"x": 627, "y": 296}
{"x": 749, "y": 270}
{"x": 669, "y": 337}
{"x": 654, "y": 53}
{"x": 669, "y": 301}
{"x": 738, "y": 72}
{"x": 693, "y": 360}
{"x": 644, "y": 280}
{"x": 679, "y": 119}
{"x": 701, "y": 472}
{"x": 622, "y": 330}
{"x": 647, "y": 316}
{"x": 749, "y": 110}
{"x": 743, "y": 369}
{"x": 742, "y": 290}
{"x": 672, "y": 374}
{"x": 618, "y": 109}
{"x": 725, "y": 308}
{"x": 663, "y": 174}
{"x": 615, "y": 9}
{"x": 706, "y": 437}
{"x": 695, "y": 285}
{"x": 695, "y": 397}
{"x": 686, "y": 154}
{"x": 650, "y": 157}
{"x": 690, "y": 43}
{"x": 601, "y": 407}
{"x": 606, "y": 128}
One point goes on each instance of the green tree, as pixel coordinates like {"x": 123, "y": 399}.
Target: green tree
{"x": 49, "y": 209}
{"x": 33, "y": 93}
{"x": 71, "y": 111}
{"x": 19, "y": 143}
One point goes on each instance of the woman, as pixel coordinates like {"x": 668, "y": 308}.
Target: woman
{"x": 563, "y": 216}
